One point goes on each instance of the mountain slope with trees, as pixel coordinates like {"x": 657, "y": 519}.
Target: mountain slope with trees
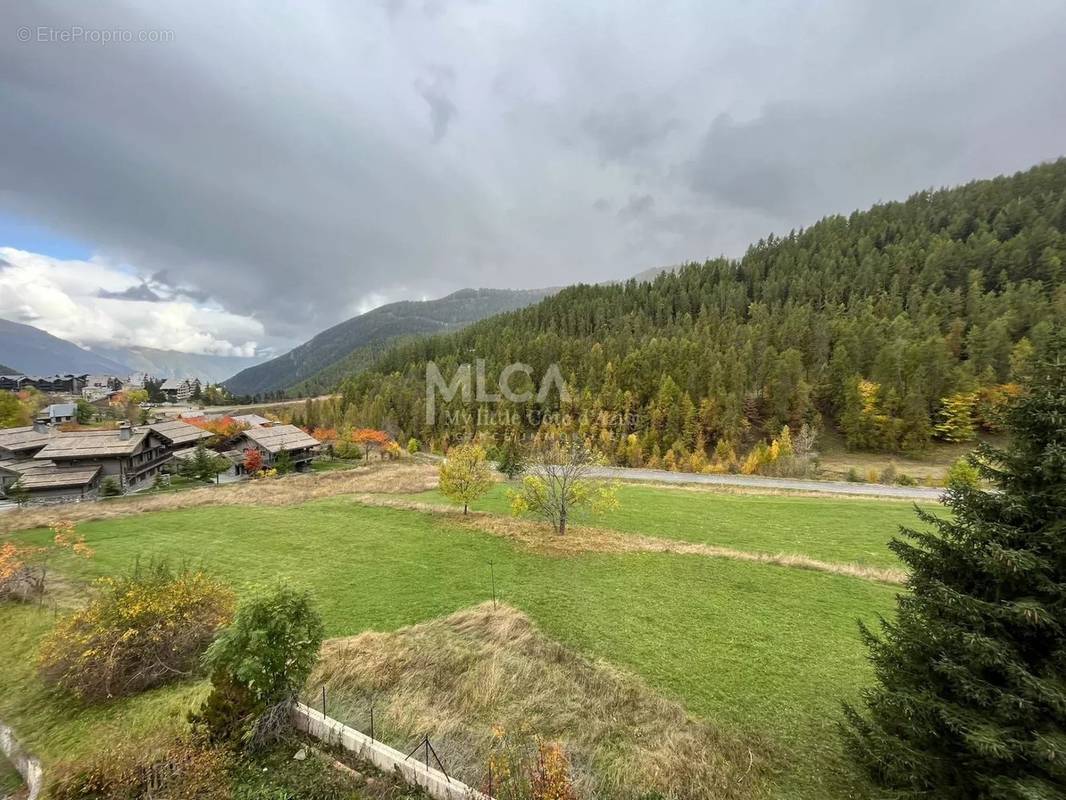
{"x": 907, "y": 322}
{"x": 321, "y": 363}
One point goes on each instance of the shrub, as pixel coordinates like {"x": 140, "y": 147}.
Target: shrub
{"x": 551, "y": 774}
{"x": 413, "y": 445}
{"x": 24, "y": 568}
{"x": 511, "y": 459}
{"x": 903, "y": 479}
{"x": 888, "y": 475}
{"x": 138, "y": 631}
{"x": 854, "y": 476}
{"x": 110, "y": 487}
{"x": 259, "y": 665}
{"x": 962, "y": 473}
{"x": 176, "y": 770}
{"x": 525, "y": 767}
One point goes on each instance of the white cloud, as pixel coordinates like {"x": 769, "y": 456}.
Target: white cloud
{"x": 75, "y": 300}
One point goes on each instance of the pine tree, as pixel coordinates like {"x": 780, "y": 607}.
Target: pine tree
{"x": 971, "y": 695}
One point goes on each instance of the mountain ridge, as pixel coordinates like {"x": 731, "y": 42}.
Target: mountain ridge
{"x": 352, "y": 344}
{"x": 38, "y": 352}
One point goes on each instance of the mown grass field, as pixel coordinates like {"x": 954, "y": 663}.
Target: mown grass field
{"x": 843, "y": 530}
{"x": 767, "y": 649}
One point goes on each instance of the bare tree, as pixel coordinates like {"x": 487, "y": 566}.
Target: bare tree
{"x": 559, "y": 480}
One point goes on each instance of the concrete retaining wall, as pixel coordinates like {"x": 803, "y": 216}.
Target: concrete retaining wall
{"x": 434, "y": 782}
{"x": 28, "y": 766}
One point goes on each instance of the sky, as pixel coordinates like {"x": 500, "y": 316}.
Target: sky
{"x": 233, "y": 178}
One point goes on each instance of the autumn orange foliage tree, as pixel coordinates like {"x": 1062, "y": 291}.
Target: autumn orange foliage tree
{"x": 328, "y": 437}
{"x": 368, "y": 438}
{"x": 253, "y": 461}
{"x": 222, "y": 429}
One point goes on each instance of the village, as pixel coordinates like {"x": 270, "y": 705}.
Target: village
{"x": 99, "y": 436}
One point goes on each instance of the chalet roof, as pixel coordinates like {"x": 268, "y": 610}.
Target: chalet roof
{"x": 19, "y": 439}
{"x": 60, "y": 410}
{"x": 92, "y": 444}
{"x": 43, "y": 474}
{"x": 252, "y": 420}
{"x": 176, "y": 432}
{"x": 173, "y": 384}
{"x": 281, "y": 437}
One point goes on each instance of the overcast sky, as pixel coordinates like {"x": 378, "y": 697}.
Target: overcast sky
{"x": 268, "y": 171}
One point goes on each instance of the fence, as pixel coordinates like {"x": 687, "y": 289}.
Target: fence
{"x": 435, "y": 782}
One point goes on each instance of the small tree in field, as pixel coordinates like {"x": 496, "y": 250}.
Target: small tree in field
{"x": 511, "y": 460}
{"x": 253, "y": 460}
{"x": 283, "y": 463}
{"x": 465, "y": 474}
{"x": 560, "y": 482}
{"x": 258, "y": 666}
{"x": 18, "y": 493}
{"x": 368, "y": 438}
{"x": 969, "y": 701}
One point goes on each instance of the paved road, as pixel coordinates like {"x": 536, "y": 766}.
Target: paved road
{"x": 756, "y": 482}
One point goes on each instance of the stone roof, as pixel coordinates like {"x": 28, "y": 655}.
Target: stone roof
{"x": 20, "y": 439}
{"x": 38, "y": 473}
{"x": 253, "y": 420}
{"x": 91, "y": 444}
{"x": 60, "y": 410}
{"x": 281, "y": 437}
{"x": 176, "y": 432}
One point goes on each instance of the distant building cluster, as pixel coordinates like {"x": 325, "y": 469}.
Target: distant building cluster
{"x": 50, "y": 465}
{"x": 95, "y": 388}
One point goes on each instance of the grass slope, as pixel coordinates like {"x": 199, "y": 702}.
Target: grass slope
{"x": 769, "y": 650}
{"x": 838, "y": 530}
{"x": 486, "y": 677}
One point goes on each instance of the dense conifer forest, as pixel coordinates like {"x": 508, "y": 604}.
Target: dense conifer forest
{"x": 907, "y": 323}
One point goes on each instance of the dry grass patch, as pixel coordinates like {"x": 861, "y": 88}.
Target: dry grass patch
{"x": 588, "y": 539}
{"x": 399, "y": 478}
{"x": 469, "y": 677}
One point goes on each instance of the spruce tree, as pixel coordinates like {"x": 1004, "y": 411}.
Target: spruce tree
{"x": 970, "y": 699}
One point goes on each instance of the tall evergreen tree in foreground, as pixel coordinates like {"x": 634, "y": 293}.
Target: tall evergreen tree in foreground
{"x": 971, "y": 695}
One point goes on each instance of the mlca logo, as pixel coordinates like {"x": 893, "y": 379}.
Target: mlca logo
{"x": 471, "y": 383}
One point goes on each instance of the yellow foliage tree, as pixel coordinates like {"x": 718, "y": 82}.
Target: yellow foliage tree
{"x": 465, "y": 474}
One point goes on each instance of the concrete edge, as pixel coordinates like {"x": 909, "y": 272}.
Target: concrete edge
{"x": 432, "y": 781}
{"x": 26, "y": 765}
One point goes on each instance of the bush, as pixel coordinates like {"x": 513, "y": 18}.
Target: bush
{"x": 888, "y": 475}
{"x": 139, "y": 631}
{"x": 511, "y": 459}
{"x": 854, "y": 476}
{"x": 962, "y": 473}
{"x": 110, "y": 487}
{"x": 177, "y": 771}
{"x": 903, "y": 479}
{"x": 259, "y": 665}
{"x": 413, "y": 446}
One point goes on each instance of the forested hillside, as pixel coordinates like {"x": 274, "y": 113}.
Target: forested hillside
{"x": 321, "y": 363}
{"x": 898, "y": 325}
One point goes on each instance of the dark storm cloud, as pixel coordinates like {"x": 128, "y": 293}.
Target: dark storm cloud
{"x": 435, "y": 92}
{"x": 294, "y": 164}
{"x": 141, "y": 292}
{"x": 636, "y": 207}
{"x": 627, "y": 129}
